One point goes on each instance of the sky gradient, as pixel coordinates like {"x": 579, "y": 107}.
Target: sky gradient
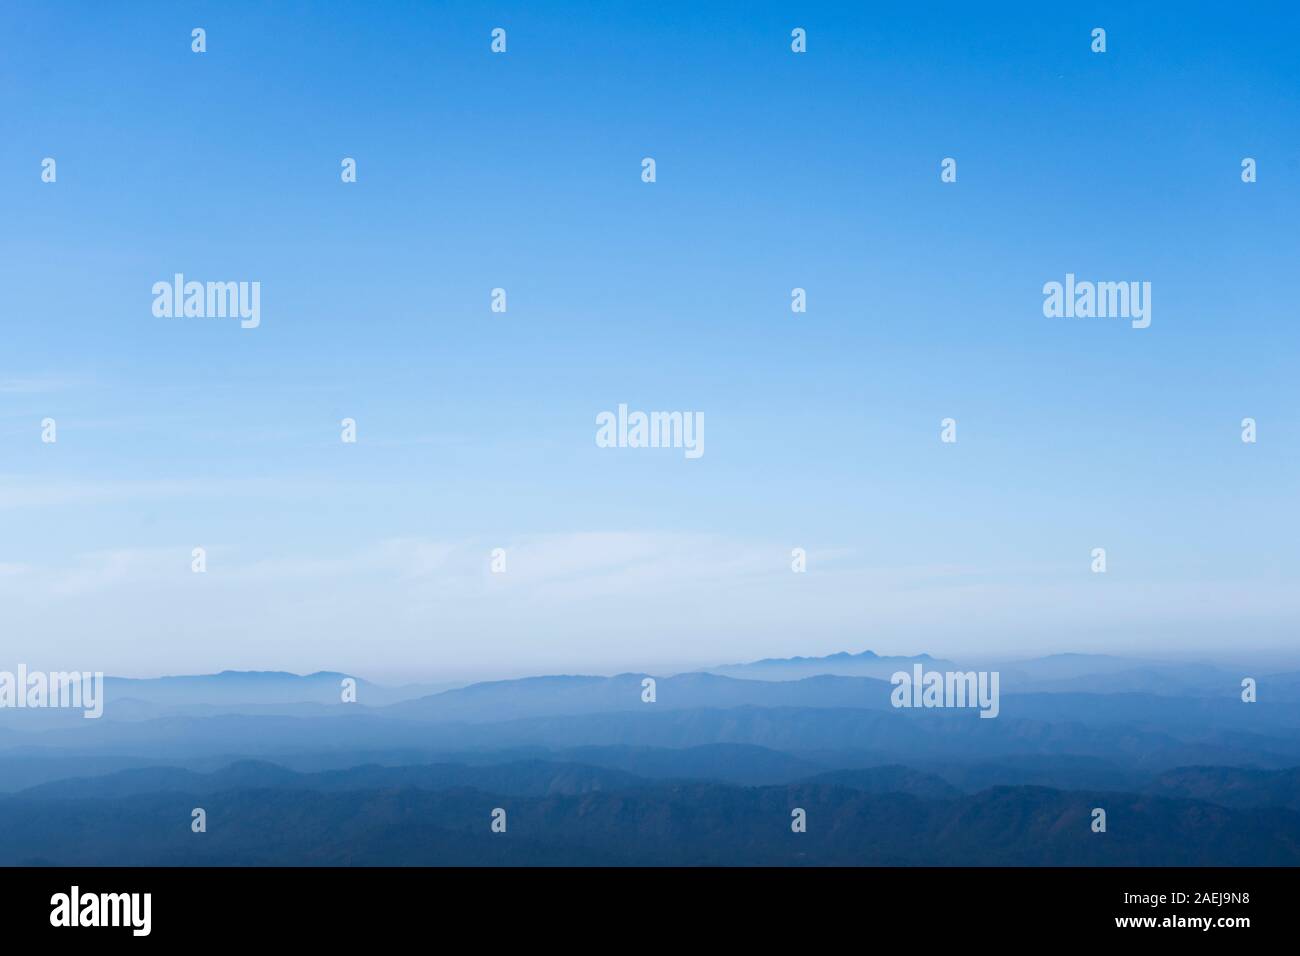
{"x": 476, "y": 430}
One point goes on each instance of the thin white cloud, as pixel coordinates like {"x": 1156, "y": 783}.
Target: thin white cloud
{"x": 24, "y": 492}
{"x": 34, "y": 385}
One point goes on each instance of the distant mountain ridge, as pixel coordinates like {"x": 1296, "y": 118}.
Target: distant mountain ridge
{"x": 272, "y": 693}
{"x": 522, "y": 778}
{"x": 230, "y": 688}
{"x": 561, "y": 696}
{"x": 704, "y": 771}
{"x": 842, "y": 664}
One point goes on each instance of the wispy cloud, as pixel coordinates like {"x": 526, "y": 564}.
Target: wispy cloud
{"x": 35, "y": 385}
{"x": 17, "y": 491}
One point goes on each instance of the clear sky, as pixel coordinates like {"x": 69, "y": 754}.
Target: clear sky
{"x": 476, "y": 429}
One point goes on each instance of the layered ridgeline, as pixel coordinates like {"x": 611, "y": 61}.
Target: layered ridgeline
{"x": 555, "y": 813}
{"x": 410, "y": 774}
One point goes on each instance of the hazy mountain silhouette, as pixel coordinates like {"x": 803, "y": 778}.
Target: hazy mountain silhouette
{"x": 591, "y": 772}
{"x": 1231, "y": 786}
{"x": 253, "y": 688}
{"x": 1150, "y": 732}
{"x": 565, "y": 696}
{"x": 665, "y": 823}
{"x": 890, "y": 779}
{"x": 843, "y": 664}
{"x": 533, "y": 778}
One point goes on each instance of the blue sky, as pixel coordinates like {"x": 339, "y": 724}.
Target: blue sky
{"x": 476, "y": 430}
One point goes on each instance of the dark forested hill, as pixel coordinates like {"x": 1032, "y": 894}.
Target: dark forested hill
{"x": 555, "y": 814}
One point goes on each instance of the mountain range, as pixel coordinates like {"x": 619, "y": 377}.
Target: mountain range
{"x": 592, "y": 769}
